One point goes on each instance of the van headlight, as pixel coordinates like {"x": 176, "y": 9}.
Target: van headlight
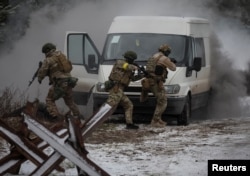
{"x": 172, "y": 89}
{"x": 100, "y": 87}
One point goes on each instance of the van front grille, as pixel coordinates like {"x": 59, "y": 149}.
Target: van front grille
{"x": 132, "y": 89}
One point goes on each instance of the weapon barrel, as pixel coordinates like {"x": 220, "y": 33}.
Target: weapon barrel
{"x": 35, "y": 74}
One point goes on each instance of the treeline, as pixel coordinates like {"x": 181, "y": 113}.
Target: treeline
{"x": 15, "y": 17}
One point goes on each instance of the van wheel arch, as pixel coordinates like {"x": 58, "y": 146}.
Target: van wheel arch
{"x": 184, "y": 117}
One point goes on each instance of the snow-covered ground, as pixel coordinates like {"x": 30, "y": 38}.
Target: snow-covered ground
{"x": 176, "y": 150}
{"x": 173, "y": 150}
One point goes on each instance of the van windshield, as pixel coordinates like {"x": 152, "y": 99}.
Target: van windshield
{"x": 144, "y": 44}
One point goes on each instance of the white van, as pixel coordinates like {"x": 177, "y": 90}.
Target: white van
{"x": 187, "y": 88}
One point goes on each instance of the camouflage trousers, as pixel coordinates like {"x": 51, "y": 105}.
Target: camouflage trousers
{"x": 61, "y": 90}
{"x": 159, "y": 92}
{"x": 117, "y": 96}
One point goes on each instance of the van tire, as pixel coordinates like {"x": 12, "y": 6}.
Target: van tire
{"x": 184, "y": 117}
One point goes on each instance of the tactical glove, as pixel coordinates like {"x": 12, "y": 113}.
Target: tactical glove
{"x": 40, "y": 64}
{"x": 173, "y": 60}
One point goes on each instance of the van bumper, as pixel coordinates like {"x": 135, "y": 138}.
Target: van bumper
{"x": 175, "y": 105}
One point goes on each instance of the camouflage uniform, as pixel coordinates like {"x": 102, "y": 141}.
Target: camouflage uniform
{"x": 154, "y": 83}
{"x": 121, "y": 74}
{"x": 60, "y": 84}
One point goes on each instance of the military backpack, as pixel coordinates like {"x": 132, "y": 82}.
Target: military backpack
{"x": 64, "y": 64}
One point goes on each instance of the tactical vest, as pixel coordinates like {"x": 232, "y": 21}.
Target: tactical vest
{"x": 152, "y": 62}
{"x": 157, "y": 75}
{"x": 119, "y": 74}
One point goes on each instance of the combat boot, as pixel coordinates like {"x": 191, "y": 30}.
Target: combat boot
{"x": 158, "y": 123}
{"x": 131, "y": 126}
{"x": 162, "y": 122}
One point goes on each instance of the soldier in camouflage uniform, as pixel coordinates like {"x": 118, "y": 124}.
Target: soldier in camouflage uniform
{"x": 157, "y": 73}
{"x": 121, "y": 75}
{"x": 60, "y": 80}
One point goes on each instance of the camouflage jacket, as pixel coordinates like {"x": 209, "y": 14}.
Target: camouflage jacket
{"x": 122, "y": 72}
{"x": 51, "y": 68}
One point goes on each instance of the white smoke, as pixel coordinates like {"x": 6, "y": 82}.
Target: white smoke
{"x": 94, "y": 17}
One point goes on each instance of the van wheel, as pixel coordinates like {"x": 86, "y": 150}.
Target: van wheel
{"x": 184, "y": 117}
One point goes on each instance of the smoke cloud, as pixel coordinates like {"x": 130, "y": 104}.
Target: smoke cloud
{"x": 229, "y": 44}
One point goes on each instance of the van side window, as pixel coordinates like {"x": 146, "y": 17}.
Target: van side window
{"x": 75, "y": 51}
{"x": 200, "y": 50}
{"x": 189, "y": 52}
{"x": 81, "y": 51}
{"x": 90, "y": 55}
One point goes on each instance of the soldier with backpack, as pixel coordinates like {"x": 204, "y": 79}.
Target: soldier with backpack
{"x": 156, "y": 68}
{"x": 57, "y": 67}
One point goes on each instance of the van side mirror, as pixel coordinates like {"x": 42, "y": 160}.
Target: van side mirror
{"x": 197, "y": 64}
{"x": 91, "y": 62}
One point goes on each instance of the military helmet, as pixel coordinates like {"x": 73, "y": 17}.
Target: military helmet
{"x": 164, "y": 48}
{"x": 130, "y": 55}
{"x": 48, "y": 47}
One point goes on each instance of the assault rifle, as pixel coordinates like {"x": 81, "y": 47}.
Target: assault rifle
{"x": 35, "y": 75}
{"x": 141, "y": 69}
{"x": 173, "y": 60}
